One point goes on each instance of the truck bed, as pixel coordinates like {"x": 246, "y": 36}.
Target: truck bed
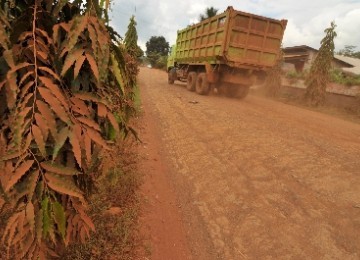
{"x": 234, "y": 38}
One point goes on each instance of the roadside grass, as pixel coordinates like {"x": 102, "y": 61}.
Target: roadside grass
{"x": 113, "y": 208}
{"x": 137, "y": 100}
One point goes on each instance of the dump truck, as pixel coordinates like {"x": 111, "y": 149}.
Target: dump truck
{"x": 228, "y": 52}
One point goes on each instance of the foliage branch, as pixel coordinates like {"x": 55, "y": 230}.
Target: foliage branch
{"x": 319, "y": 74}
{"x": 64, "y": 92}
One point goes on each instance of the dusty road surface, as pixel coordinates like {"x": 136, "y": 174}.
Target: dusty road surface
{"x": 256, "y": 179}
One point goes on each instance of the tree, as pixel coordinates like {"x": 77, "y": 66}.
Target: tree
{"x": 319, "y": 74}
{"x": 209, "y": 12}
{"x": 131, "y": 39}
{"x": 349, "y": 51}
{"x": 157, "y": 44}
{"x": 156, "y": 48}
{"x": 63, "y": 83}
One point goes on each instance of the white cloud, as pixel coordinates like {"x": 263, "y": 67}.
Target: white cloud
{"x": 307, "y": 19}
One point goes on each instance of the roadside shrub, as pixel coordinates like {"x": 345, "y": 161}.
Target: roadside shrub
{"x": 337, "y": 76}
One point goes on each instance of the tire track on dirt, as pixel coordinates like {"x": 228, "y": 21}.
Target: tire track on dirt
{"x": 269, "y": 180}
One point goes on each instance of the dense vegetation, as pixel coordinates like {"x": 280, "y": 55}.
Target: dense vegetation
{"x": 319, "y": 74}
{"x": 66, "y": 94}
{"x": 157, "y": 50}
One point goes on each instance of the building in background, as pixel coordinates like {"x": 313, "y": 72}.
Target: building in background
{"x": 300, "y": 58}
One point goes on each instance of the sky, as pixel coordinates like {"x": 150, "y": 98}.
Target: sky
{"x": 307, "y": 19}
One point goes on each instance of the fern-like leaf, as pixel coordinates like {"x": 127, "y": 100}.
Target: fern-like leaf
{"x": 55, "y": 90}
{"x": 96, "y": 137}
{"x": 55, "y": 104}
{"x": 44, "y": 128}
{"x": 19, "y": 172}
{"x": 59, "y": 169}
{"x": 70, "y": 60}
{"x": 75, "y": 143}
{"x": 78, "y": 64}
{"x": 30, "y": 215}
{"x": 59, "y": 217}
{"x": 89, "y": 122}
{"x": 63, "y": 185}
{"x": 60, "y": 140}
{"x": 47, "y": 114}
{"x": 93, "y": 65}
{"x": 39, "y": 139}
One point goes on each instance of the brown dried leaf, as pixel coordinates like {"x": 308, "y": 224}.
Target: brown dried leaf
{"x": 51, "y": 72}
{"x": 39, "y": 139}
{"x": 20, "y": 227}
{"x": 11, "y": 89}
{"x": 78, "y": 25}
{"x": 28, "y": 241}
{"x": 26, "y": 100}
{"x": 26, "y": 76}
{"x": 88, "y": 150}
{"x": 19, "y": 172}
{"x": 48, "y": 116}
{"x": 44, "y": 34}
{"x": 70, "y": 59}
{"x": 55, "y": 105}
{"x": 87, "y": 220}
{"x": 63, "y": 185}
{"x": 82, "y": 235}
{"x": 42, "y": 125}
{"x": 39, "y": 225}
{"x": 79, "y": 106}
{"x": 42, "y": 55}
{"x": 74, "y": 140}
{"x": 32, "y": 183}
{"x": 86, "y": 96}
{"x": 26, "y": 88}
{"x": 11, "y": 224}
{"x": 55, "y": 90}
{"x": 60, "y": 140}
{"x": 2, "y": 83}
{"x": 59, "y": 169}
{"x": 69, "y": 230}
{"x": 89, "y": 122}
{"x": 2, "y": 203}
{"x": 9, "y": 58}
{"x": 96, "y": 137}
{"x": 93, "y": 65}
{"x": 102, "y": 110}
{"x": 30, "y": 215}
{"x": 79, "y": 62}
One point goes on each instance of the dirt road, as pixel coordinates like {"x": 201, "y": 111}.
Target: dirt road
{"x": 257, "y": 179}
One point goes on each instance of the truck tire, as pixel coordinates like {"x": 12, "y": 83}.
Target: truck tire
{"x": 202, "y": 84}
{"x": 191, "y": 81}
{"x": 171, "y": 76}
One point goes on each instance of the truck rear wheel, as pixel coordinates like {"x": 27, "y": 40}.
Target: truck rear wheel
{"x": 202, "y": 84}
{"x": 171, "y": 76}
{"x": 191, "y": 81}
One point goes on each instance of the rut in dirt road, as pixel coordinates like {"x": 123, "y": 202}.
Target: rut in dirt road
{"x": 259, "y": 179}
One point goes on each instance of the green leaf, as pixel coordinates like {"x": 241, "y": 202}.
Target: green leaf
{"x": 46, "y": 216}
{"x": 59, "y": 217}
{"x": 117, "y": 73}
